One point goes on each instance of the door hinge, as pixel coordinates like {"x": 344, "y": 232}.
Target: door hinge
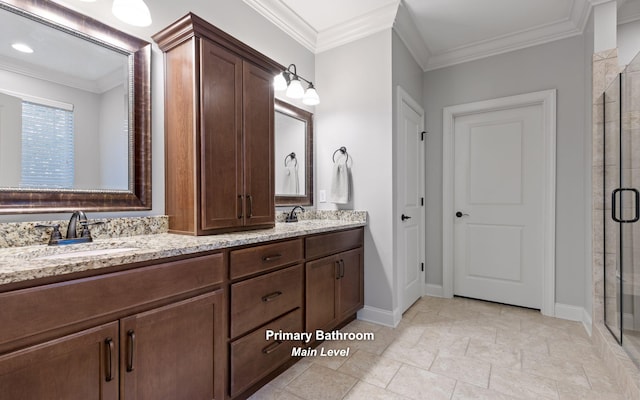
{"x": 422, "y": 201}
{"x": 422, "y": 135}
{"x": 422, "y": 267}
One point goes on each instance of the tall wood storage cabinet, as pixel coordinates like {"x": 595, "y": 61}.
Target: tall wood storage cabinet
{"x": 219, "y": 123}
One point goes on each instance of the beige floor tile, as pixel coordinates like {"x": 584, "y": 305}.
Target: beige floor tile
{"x": 365, "y": 391}
{"x": 475, "y": 329}
{"x": 383, "y": 337}
{"x": 465, "y": 391}
{"x": 291, "y": 373}
{"x": 320, "y": 383}
{"x": 409, "y": 333}
{"x": 333, "y": 362}
{"x": 370, "y": 368}
{"x": 270, "y": 392}
{"x": 446, "y": 344}
{"x": 361, "y": 326}
{"x": 600, "y": 378}
{"x": 577, "y": 350}
{"x": 522, "y": 385}
{"x": 419, "y": 355}
{"x": 522, "y": 340}
{"x": 463, "y": 369}
{"x": 572, "y": 392}
{"x": 555, "y": 368}
{"x": 499, "y": 355}
{"x": 419, "y": 384}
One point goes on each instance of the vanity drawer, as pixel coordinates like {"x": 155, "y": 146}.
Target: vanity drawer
{"x": 33, "y": 312}
{"x": 261, "y": 299}
{"x": 332, "y": 243}
{"x": 262, "y": 258}
{"x": 253, "y": 357}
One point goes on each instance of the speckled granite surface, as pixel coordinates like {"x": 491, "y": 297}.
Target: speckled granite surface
{"x": 19, "y": 234}
{"x": 342, "y": 215}
{"x": 19, "y": 264}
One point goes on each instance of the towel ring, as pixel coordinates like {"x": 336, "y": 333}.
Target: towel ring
{"x": 292, "y": 157}
{"x": 342, "y": 150}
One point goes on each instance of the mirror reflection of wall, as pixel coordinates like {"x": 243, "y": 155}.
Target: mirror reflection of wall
{"x": 64, "y": 111}
{"x": 290, "y": 172}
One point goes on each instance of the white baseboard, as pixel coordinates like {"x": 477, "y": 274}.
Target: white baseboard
{"x": 574, "y": 313}
{"x": 587, "y": 322}
{"x": 380, "y": 316}
{"x": 433, "y": 290}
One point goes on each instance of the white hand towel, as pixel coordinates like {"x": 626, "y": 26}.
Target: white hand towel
{"x": 291, "y": 181}
{"x": 340, "y": 183}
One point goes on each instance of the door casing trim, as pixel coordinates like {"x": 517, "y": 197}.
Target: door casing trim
{"x": 545, "y": 98}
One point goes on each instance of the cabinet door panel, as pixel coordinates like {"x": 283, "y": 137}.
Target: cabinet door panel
{"x": 351, "y": 297}
{"x": 258, "y": 120}
{"x": 221, "y": 134}
{"x": 74, "y": 367}
{"x": 175, "y": 352}
{"x": 321, "y": 296}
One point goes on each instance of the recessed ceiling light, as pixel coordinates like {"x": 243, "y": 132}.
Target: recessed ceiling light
{"x": 23, "y": 48}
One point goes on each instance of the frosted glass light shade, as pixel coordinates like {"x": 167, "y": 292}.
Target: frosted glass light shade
{"x": 132, "y": 12}
{"x": 295, "y": 89}
{"x": 279, "y": 83}
{"x": 311, "y": 97}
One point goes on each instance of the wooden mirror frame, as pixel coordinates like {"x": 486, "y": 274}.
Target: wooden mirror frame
{"x": 138, "y": 196}
{"x": 307, "y": 117}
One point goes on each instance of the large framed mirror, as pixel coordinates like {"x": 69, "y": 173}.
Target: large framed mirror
{"x": 75, "y": 108}
{"x": 293, "y": 155}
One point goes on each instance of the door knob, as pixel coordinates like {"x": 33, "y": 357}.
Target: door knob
{"x": 404, "y": 217}
{"x": 459, "y": 214}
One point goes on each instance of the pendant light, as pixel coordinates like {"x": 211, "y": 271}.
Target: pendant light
{"x": 132, "y": 12}
{"x": 289, "y": 80}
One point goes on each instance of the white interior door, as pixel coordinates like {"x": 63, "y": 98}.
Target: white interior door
{"x": 410, "y": 201}
{"x": 499, "y": 197}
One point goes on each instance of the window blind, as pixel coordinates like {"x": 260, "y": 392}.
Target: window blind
{"x": 47, "y": 147}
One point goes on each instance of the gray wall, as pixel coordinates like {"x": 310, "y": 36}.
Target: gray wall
{"x": 355, "y": 112}
{"x": 557, "y": 65}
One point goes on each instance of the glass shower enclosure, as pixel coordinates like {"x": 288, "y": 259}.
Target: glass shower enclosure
{"x": 621, "y": 204}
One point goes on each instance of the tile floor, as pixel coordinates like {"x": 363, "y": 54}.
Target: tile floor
{"x": 455, "y": 349}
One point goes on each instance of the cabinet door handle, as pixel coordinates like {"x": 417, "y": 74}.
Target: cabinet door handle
{"x": 271, "y": 296}
{"x": 272, "y": 347}
{"x": 337, "y": 265}
{"x": 250, "y": 206}
{"x": 109, "y": 348}
{"x": 341, "y": 269}
{"x": 271, "y": 258}
{"x": 240, "y": 214}
{"x": 131, "y": 336}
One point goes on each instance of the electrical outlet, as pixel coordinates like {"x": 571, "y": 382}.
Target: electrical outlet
{"x": 322, "y": 196}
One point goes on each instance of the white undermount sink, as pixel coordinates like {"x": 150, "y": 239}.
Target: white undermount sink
{"x": 86, "y": 253}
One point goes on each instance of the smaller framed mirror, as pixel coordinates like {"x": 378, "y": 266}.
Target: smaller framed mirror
{"x": 293, "y": 155}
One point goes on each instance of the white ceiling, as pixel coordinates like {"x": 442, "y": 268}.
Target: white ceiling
{"x": 438, "y": 32}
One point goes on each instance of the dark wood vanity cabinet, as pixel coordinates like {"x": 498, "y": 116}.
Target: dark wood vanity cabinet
{"x": 219, "y": 130}
{"x": 334, "y": 280}
{"x": 155, "y": 332}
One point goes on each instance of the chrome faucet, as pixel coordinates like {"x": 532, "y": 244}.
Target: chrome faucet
{"x": 293, "y": 217}
{"x": 78, "y": 217}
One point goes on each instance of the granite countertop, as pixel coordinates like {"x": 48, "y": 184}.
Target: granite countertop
{"x": 19, "y": 264}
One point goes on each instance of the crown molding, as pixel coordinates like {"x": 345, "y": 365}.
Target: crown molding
{"x": 573, "y": 25}
{"x": 284, "y": 18}
{"x": 357, "y": 28}
{"x": 410, "y": 36}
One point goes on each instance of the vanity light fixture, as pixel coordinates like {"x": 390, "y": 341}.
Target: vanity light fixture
{"x": 23, "y": 48}
{"x": 132, "y": 12}
{"x": 289, "y": 80}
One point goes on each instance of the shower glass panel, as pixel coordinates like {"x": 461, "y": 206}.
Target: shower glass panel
{"x": 621, "y": 203}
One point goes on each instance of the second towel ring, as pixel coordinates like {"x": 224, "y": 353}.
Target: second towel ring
{"x": 342, "y": 150}
{"x": 290, "y": 157}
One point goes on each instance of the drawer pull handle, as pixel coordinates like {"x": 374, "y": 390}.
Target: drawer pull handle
{"x": 341, "y": 269}
{"x": 272, "y": 258}
{"x": 337, "y": 265}
{"x": 131, "y": 335}
{"x": 272, "y": 347}
{"x": 271, "y": 296}
{"x": 109, "y": 348}
{"x": 250, "y": 207}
